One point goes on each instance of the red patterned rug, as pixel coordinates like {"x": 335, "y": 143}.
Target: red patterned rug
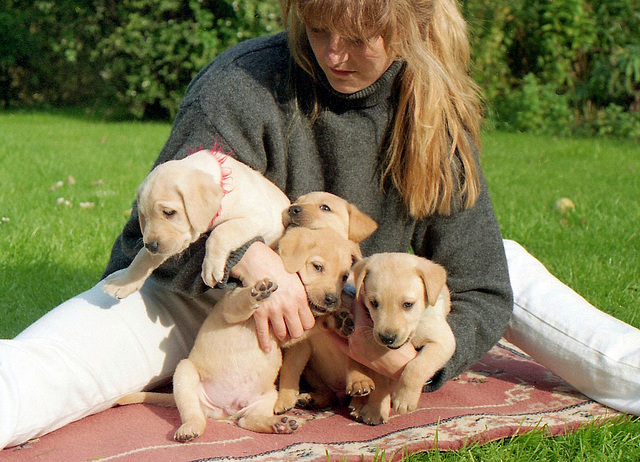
{"x": 504, "y": 394}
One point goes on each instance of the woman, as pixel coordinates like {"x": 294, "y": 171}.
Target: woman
{"x": 367, "y": 99}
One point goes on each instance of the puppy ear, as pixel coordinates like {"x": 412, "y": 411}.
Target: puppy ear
{"x": 294, "y": 248}
{"x": 202, "y": 199}
{"x": 142, "y": 221}
{"x": 434, "y": 278}
{"x": 361, "y": 226}
{"x": 359, "y": 272}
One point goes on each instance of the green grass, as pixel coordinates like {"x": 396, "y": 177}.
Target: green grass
{"x": 49, "y": 252}
{"x": 616, "y": 440}
{"x": 596, "y": 249}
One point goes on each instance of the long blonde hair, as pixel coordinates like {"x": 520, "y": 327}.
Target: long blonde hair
{"x": 429, "y": 156}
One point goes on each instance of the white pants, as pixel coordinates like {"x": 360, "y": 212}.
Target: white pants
{"x": 85, "y": 354}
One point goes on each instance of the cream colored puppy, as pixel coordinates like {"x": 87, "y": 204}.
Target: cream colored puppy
{"x": 330, "y": 372}
{"x": 330, "y": 264}
{"x": 408, "y": 300}
{"x": 319, "y": 209}
{"x": 227, "y": 375}
{"x": 323, "y": 259}
{"x": 182, "y": 199}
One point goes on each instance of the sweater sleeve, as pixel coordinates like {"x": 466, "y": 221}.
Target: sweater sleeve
{"x": 469, "y": 245}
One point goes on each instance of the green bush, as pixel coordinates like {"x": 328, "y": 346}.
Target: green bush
{"x": 43, "y": 53}
{"x": 133, "y": 58}
{"x": 534, "y": 107}
{"x": 157, "y": 47}
{"x": 547, "y": 66}
{"x": 559, "y": 66}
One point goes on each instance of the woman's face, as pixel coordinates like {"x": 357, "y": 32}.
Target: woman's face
{"x": 350, "y": 66}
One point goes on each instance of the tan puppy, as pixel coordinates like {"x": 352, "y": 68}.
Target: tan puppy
{"x": 408, "y": 301}
{"x": 182, "y": 199}
{"x": 325, "y": 210}
{"x": 330, "y": 373}
{"x": 323, "y": 259}
{"x": 227, "y": 375}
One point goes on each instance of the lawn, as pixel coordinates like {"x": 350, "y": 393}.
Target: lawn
{"x": 66, "y": 186}
{"x": 67, "y": 182}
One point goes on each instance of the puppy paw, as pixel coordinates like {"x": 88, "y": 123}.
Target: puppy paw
{"x": 285, "y": 425}
{"x": 208, "y": 278}
{"x": 370, "y": 415}
{"x": 119, "y": 286}
{"x": 263, "y": 289}
{"x": 212, "y": 269}
{"x": 319, "y": 400}
{"x": 189, "y": 431}
{"x": 355, "y": 406}
{"x": 405, "y": 400}
{"x": 341, "y": 322}
{"x": 360, "y": 387}
{"x": 305, "y": 401}
{"x": 287, "y": 400}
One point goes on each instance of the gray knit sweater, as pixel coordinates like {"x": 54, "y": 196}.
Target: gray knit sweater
{"x": 255, "y": 102}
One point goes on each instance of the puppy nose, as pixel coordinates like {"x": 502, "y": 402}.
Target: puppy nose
{"x": 387, "y": 338}
{"x": 294, "y": 210}
{"x": 151, "y": 246}
{"x": 330, "y": 300}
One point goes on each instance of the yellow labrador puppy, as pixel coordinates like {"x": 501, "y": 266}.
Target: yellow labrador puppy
{"x": 408, "y": 301}
{"x": 227, "y": 375}
{"x": 323, "y": 259}
{"x": 331, "y": 374}
{"x": 182, "y": 199}
{"x": 319, "y": 209}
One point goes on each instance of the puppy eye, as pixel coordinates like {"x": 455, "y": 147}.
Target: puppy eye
{"x": 345, "y": 277}
{"x": 169, "y": 213}
{"x": 317, "y": 267}
{"x": 325, "y": 208}
{"x": 407, "y": 305}
{"x": 374, "y": 303}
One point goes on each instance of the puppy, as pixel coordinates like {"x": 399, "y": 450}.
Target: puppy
{"x": 325, "y": 210}
{"x": 329, "y": 372}
{"x": 408, "y": 301}
{"x": 182, "y": 199}
{"x": 323, "y": 259}
{"x": 227, "y": 375}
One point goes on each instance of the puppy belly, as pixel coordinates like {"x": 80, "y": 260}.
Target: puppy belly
{"x": 227, "y": 396}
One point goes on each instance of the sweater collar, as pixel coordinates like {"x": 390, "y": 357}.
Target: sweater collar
{"x": 374, "y": 94}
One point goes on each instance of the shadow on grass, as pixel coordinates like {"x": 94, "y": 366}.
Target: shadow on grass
{"x": 27, "y": 292}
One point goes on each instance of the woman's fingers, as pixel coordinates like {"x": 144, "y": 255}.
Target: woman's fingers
{"x": 263, "y": 332}
{"x": 286, "y": 313}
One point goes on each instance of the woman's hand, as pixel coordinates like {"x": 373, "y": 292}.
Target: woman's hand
{"x": 287, "y": 309}
{"x": 361, "y": 346}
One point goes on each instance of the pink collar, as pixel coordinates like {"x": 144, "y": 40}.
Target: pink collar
{"x": 225, "y": 172}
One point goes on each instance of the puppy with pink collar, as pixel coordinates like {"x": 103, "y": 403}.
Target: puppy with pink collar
{"x": 180, "y": 200}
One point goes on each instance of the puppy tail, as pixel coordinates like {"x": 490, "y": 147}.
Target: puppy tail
{"x": 146, "y": 397}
